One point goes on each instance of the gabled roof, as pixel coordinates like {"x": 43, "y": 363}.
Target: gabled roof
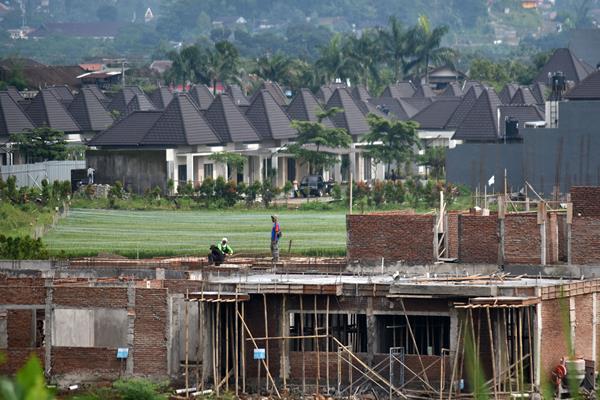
{"x": 46, "y": 109}
{"x": 565, "y": 61}
{"x": 508, "y": 92}
{"x": 587, "y": 89}
{"x": 585, "y": 43}
{"x": 12, "y": 117}
{"x": 128, "y": 131}
{"x": 470, "y": 83}
{"x": 538, "y": 90}
{"x": 360, "y": 92}
{"x": 202, "y": 96}
{"x": 228, "y": 122}
{"x": 452, "y": 90}
{"x": 268, "y": 118}
{"x": 394, "y": 108}
{"x": 89, "y": 113}
{"x": 437, "y": 114}
{"x": 181, "y": 124}
{"x": 424, "y": 90}
{"x": 324, "y": 93}
{"x": 522, "y": 113}
{"x": 238, "y": 96}
{"x": 275, "y": 91}
{"x": 399, "y": 90}
{"x": 481, "y": 124}
{"x": 305, "y": 107}
{"x": 161, "y": 97}
{"x": 523, "y": 96}
{"x": 352, "y": 118}
{"x": 464, "y": 107}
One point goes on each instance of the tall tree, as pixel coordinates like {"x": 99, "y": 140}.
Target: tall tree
{"x": 434, "y": 158}
{"x": 426, "y": 43}
{"x": 277, "y": 68}
{"x": 395, "y": 47}
{"x": 41, "y": 144}
{"x": 391, "y": 141}
{"x": 220, "y": 64}
{"x": 316, "y": 141}
{"x": 333, "y": 60}
{"x": 364, "y": 53}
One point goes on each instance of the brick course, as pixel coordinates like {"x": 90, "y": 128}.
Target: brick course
{"x": 586, "y": 201}
{"x": 396, "y": 237}
{"x": 478, "y": 239}
{"x": 585, "y": 240}
{"x": 19, "y": 328}
{"x": 522, "y": 239}
{"x": 102, "y": 297}
{"x": 17, "y": 357}
{"x": 150, "y": 341}
{"x": 98, "y": 360}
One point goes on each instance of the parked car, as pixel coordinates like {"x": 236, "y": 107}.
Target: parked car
{"x": 314, "y": 185}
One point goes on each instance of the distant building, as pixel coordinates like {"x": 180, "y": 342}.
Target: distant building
{"x": 148, "y": 15}
{"x": 81, "y": 30}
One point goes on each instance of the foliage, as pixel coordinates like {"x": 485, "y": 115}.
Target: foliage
{"x": 41, "y": 144}
{"x": 435, "y": 159}
{"x": 22, "y": 248}
{"x": 29, "y": 383}
{"x": 140, "y": 389}
{"x": 391, "y": 141}
{"x": 321, "y": 137}
{"x": 268, "y": 193}
{"x": 235, "y": 160}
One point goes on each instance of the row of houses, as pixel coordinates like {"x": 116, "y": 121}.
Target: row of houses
{"x": 147, "y": 139}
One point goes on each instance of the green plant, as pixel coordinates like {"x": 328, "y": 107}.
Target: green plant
{"x": 139, "y": 389}
{"x": 171, "y": 186}
{"x": 252, "y": 192}
{"x": 186, "y": 189}
{"x": 287, "y": 188}
{"x": 29, "y": 383}
{"x": 267, "y": 192}
{"x": 378, "y": 192}
{"x": 336, "y": 192}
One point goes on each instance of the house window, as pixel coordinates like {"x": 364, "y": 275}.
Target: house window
{"x": 182, "y": 172}
{"x": 208, "y": 171}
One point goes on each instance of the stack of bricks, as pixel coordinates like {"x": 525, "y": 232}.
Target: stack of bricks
{"x": 395, "y": 237}
{"x": 585, "y": 234}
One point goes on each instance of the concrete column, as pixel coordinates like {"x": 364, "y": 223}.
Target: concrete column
{"x": 594, "y": 326}
{"x": 453, "y": 329}
{"x": 189, "y": 166}
{"x": 371, "y": 334}
{"x": 175, "y": 174}
{"x": 569, "y": 247}
{"x": 337, "y": 170}
{"x": 360, "y": 168}
{"x": 48, "y": 340}
{"x": 130, "y": 327}
{"x": 543, "y": 244}
{"x": 352, "y": 165}
{"x": 537, "y": 340}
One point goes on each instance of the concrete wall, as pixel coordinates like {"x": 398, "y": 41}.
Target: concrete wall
{"x": 137, "y": 169}
{"x": 32, "y": 174}
{"x": 564, "y": 155}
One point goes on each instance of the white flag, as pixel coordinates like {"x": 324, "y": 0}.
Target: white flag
{"x": 491, "y": 181}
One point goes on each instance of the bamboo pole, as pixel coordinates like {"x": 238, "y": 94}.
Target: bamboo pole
{"x": 243, "y": 350}
{"x": 213, "y": 317}
{"x": 284, "y": 345}
{"x": 327, "y": 344}
{"x": 510, "y": 386}
{"x": 492, "y": 351}
{"x": 269, "y": 376}
{"x": 187, "y": 347}
{"x": 218, "y": 344}
{"x": 237, "y": 349}
{"x": 412, "y": 336}
{"x": 529, "y": 329}
{"x": 201, "y": 325}
{"x": 456, "y": 356}
{"x": 316, "y": 332}
{"x": 522, "y": 378}
{"x": 266, "y": 335}
{"x": 302, "y": 345}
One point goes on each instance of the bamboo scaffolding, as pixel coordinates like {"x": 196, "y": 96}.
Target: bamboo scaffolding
{"x": 217, "y": 345}
{"x": 410, "y": 331}
{"x": 187, "y": 346}
{"x": 316, "y": 330}
{"x": 489, "y": 320}
{"x": 456, "y": 355}
{"x": 327, "y": 344}
{"x": 237, "y": 349}
{"x": 243, "y": 343}
{"x": 302, "y": 345}
{"x": 267, "y": 335}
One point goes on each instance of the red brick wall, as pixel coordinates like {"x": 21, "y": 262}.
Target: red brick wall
{"x": 562, "y": 237}
{"x": 478, "y": 239}
{"x": 396, "y": 237}
{"x": 17, "y": 357}
{"x": 452, "y": 235}
{"x": 14, "y": 292}
{"x": 583, "y": 331}
{"x": 522, "y": 239}
{"x": 85, "y": 359}
{"x": 586, "y": 201}
{"x": 150, "y": 342}
{"x": 82, "y": 297}
{"x": 585, "y": 240}
{"x": 553, "y": 334}
{"x": 19, "y": 328}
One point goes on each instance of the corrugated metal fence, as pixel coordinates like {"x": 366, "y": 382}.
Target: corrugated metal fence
{"x": 33, "y": 174}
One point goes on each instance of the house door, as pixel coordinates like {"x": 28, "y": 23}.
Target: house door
{"x": 182, "y": 172}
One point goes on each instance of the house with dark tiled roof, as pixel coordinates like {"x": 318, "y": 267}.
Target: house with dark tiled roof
{"x": 89, "y": 113}
{"x": 587, "y": 89}
{"x": 238, "y": 95}
{"x": 275, "y": 90}
{"x": 394, "y": 108}
{"x": 423, "y": 90}
{"x": 565, "y": 61}
{"x": 453, "y": 89}
{"x": 46, "y": 110}
{"x": 507, "y": 92}
{"x": 161, "y": 97}
{"x": 399, "y": 90}
{"x": 268, "y": 118}
{"x": 360, "y": 92}
{"x": 539, "y": 90}
{"x": 523, "y": 95}
{"x": 481, "y": 122}
{"x": 129, "y": 99}
{"x": 305, "y": 107}
{"x": 202, "y": 96}
{"x": 12, "y": 120}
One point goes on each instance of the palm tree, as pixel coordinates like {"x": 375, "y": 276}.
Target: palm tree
{"x": 184, "y": 62}
{"x": 333, "y": 61}
{"x": 277, "y": 68}
{"x": 219, "y": 64}
{"x": 426, "y": 42}
{"x": 363, "y": 53}
{"x": 395, "y": 46}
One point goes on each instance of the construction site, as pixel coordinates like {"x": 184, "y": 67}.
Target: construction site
{"x": 502, "y": 301}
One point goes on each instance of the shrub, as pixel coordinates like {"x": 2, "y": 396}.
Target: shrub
{"x": 139, "y": 389}
{"x": 207, "y": 189}
{"x": 336, "y": 192}
{"x": 252, "y": 192}
{"x": 267, "y": 192}
{"x": 22, "y": 248}
{"x": 186, "y": 189}
{"x": 378, "y": 192}
{"x": 230, "y": 194}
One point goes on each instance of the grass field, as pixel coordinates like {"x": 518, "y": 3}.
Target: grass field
{"x": 155, "y": 233}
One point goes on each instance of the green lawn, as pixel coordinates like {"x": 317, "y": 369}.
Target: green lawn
{"x": 156, "y": 233}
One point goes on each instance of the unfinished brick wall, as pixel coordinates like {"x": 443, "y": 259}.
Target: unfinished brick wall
{"x": 395, "y": 237}
{"x": 584, "y": 326}
{"x": 17, "y": 357}
{"x": 585, "y": 240}
{"x": 104, "y": 297}
{"x": 478, "y": 239}
{"x": 19, "y": 328}
{"x": 101, "y": 361}
{"x": 452, "y": 235}
{"x": 553, "y": 339}
{"x": 150, "y": 330}
{"x": 586, "y": 201}
{"x": 22, "y": 292}
{"x": 522, "y": 239}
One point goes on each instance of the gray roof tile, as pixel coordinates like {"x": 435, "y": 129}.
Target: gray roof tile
{"x": 46, "y": 110}
{"x": 452, "y": 90}
{"x": 399, "y": 90}
{"x": 538, "y": 90}
{"x": 128, "y": 131}
{"x": 202, "y": 96}
{"x": 229, "y": 122}
{"x": 275, "y": 91}
{"x": 437, "y": 114}
{"x": 565, "y": 61}
{"x": 305, "y": 107}
{"x": 180, "y": 124}
{"x": 508, "y": 92}
{"x": 522, "y": 113}
{"x": 424, "y": 90}
{"x": 268, "y": 118}
{"x": 12, "y": 118}
{"x": 238, "y": 96}
{"x": 523, "y": 96}
{"x": 352, "y": 118}
{"x": 360, "y": 92}
{"x": 161, "y": 97}
{"x": 89, "y": 113}
{"x": 394, "y": 108}
{"x": 480, "y": 124}
{"x": 587, "y": 89}
{"x": 464, "y": 107}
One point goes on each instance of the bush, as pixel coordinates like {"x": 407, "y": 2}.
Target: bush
{"x": 22, "y": 248}
{"x": 268, "y": 193}
{"x": 336, "y": 192}
{"x": 378, "y": 192}
{"x": 139, "y": 389}
{"x": 252, "y": 192}
{"x": 186, "y": 189}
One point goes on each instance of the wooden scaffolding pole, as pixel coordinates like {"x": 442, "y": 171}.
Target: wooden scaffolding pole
{"x": 302, "y": 345}
{"x": 217, "y": 345}
{"x": 327, "y": 345}
{"x": 284, "y": 345}
{"x": 269, "y": 376}
{"x": 489, "y": 318}
{"x": 237, "y": 349}
{"x": 213, "y": 318}
{"x": 200, "y": 351}
{"x": 243, "y": 343}
{"x": 316, "y": 332}
{"x": 266, "y": 335}
{"x": 187, "y": 348}
{"x": 456, "y": 356}
{"x": 227, "y": 347}
{"x": 414, "y": 341}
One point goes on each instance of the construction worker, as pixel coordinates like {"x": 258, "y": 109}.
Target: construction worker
{"x": 275, "y": 235}
{"x": 219, "y": 251}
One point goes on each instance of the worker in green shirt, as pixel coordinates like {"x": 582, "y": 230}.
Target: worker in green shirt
{"x": 219, "y": 251}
